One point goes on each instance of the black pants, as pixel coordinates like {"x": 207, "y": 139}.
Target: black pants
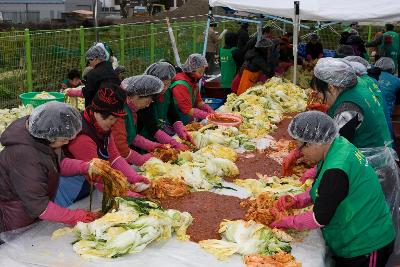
{"x": 379, "y": 257}
{"x": 210, "y": 57}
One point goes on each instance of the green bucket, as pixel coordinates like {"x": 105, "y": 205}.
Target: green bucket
{"x": 29, "y": 98}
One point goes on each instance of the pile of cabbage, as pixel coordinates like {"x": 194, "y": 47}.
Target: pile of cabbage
{"x": 227, "y": 136}
{"x": 245, "y": 238}
{"x": 129, "y": 229}
{"x": 263, "y": 106}
{"x": 277, "y": 186}
{"x": 7, "y": 116}
{"x": 202, "y": 170}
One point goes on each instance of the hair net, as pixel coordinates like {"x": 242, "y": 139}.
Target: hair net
{"x": 54, "y": 120}
{"x": 264, "y": 42}
{"x": 98, "y": 51}
{"x": 344, "y": 51}
{"x": 161, "y": 70}
{"x": 194, "y": 62}
{"x": 313, "y": 127}
{"x": 142, "y": 85}
{"x": 386, "y": 64}
{"x": 358, "y": 59}
{"x": 359, "y": 68}
{"x": 335, "y": 71}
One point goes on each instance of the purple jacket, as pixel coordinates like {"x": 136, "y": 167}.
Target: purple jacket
{"x": 29, "y": 175}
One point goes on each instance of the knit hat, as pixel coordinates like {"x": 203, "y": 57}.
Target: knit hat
{"x": 110, "y": 98}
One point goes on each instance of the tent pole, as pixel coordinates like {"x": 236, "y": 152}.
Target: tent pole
{"x": 207, "y": 29}
{"x": 295, "y": 37}
{"x": 259, "y": 28}
{"x": 173, "y": 43}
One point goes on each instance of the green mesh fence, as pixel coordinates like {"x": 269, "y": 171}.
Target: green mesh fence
{"x": 40, "y": 60}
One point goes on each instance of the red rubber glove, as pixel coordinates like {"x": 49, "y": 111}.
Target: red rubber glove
{"x": 180, "y": 130}
{"x": 318, "y": 106}
{"x": 309, "y": 174}
{"x": 299, "y": 201}
{"x": 74, "y": 92}
{"x": 146, "y": 144}
{"x": 164, "y": 138}
{"x": 55, "y": 213}
{"x": 199, "y": 114}
{"x": 137, "y": 158}
{"x": 289, "y": 161}
{"x": 303, "y": 221}
{"x": 309, "y": 58}
{"x": 207, "y": 108}
{"x": 132, "y": 176}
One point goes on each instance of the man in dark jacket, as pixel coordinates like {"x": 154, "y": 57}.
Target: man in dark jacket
{"x": 243, "y": 36}
{"x": 259, "y": 60}
{"x": 103, "y": 71}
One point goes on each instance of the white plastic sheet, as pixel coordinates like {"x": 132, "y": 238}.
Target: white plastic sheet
{"x": 35, "y": 247}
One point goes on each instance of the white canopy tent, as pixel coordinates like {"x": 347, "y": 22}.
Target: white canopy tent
{"x": 320, "y": 10}
{"x": 317, "y": 10}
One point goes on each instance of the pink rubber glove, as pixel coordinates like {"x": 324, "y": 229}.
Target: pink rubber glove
{"x": 303, "y": 221}
{"x": 309, "y": 58}
{"x": 207, "y": 108}
{"x": 199, "y": 114}
{"x": 73, "y": 92}
{"x": 145, "y": 143}
{"x": 299, "y": 201}
{"x": 289, "y": 161}
{"x": 55, "y": 213}
{"x": 100, "y": 187}
{"x": 164, "y": 138}
{"x": 71, "y": 167}
{"x": 132, "y": 176}
{"x": 309, "y": 174}
{"x": 137, "y": 158}
{"x": 180, "y": 130}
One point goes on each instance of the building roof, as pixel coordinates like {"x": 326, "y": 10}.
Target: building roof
{"x": 31, "y": 1}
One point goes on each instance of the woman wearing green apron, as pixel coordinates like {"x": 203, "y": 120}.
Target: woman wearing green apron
{"x": 160, "y": 120}
{"x": 349, "y": 205}
{"x": 141, "y": 91}
{"x": 185, "y": 91}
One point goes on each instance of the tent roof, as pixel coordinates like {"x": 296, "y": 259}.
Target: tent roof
{"x": 320, "y": 10}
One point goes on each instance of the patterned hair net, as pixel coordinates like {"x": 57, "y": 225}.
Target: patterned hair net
{"x": 359, "y": 68}
{"x": 194, "y": 62}
{"x": 264, "y": 43}
{"x": 142, "y": 85}
{"x": 98, "y": 51}
{"x": 337, "y": 72}
{"x": 313, "y": 127}
{"x": 54, "y": 120}
{"x": 386, "y": 64}
{"x": 161, "y": 70}
{"x": 358, "y": 59}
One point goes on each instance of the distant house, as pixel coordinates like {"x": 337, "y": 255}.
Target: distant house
{"x": 72, "y": 5}
{"x": 23, "y": 11}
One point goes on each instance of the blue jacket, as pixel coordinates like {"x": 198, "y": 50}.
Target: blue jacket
{"x": 389, "y": 85}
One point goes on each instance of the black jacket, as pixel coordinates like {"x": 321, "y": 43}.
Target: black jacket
{"x": 256, "y": 61}
{"x": 103, "y": 72}
{"x": 243, "y": 38}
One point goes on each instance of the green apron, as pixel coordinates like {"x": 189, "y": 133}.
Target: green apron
{"x": 185, "y": 118}
{"x": 391, "y": 50}
{"x": 228, "y": 67}
{"x": 373, "y": 131}
{"x": 362, "y": 222}
{"x": 130, "y": 125}
{"x": 160, "y": 113}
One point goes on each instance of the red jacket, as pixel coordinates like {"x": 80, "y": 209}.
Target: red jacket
{"x": 182, "y": 95}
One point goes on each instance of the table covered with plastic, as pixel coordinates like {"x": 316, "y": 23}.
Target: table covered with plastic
{"x": 34, "y": 246}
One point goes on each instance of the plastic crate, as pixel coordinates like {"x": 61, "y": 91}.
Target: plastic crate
{"x": 29, "y": 98}
{"x": 214, "y": 103}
